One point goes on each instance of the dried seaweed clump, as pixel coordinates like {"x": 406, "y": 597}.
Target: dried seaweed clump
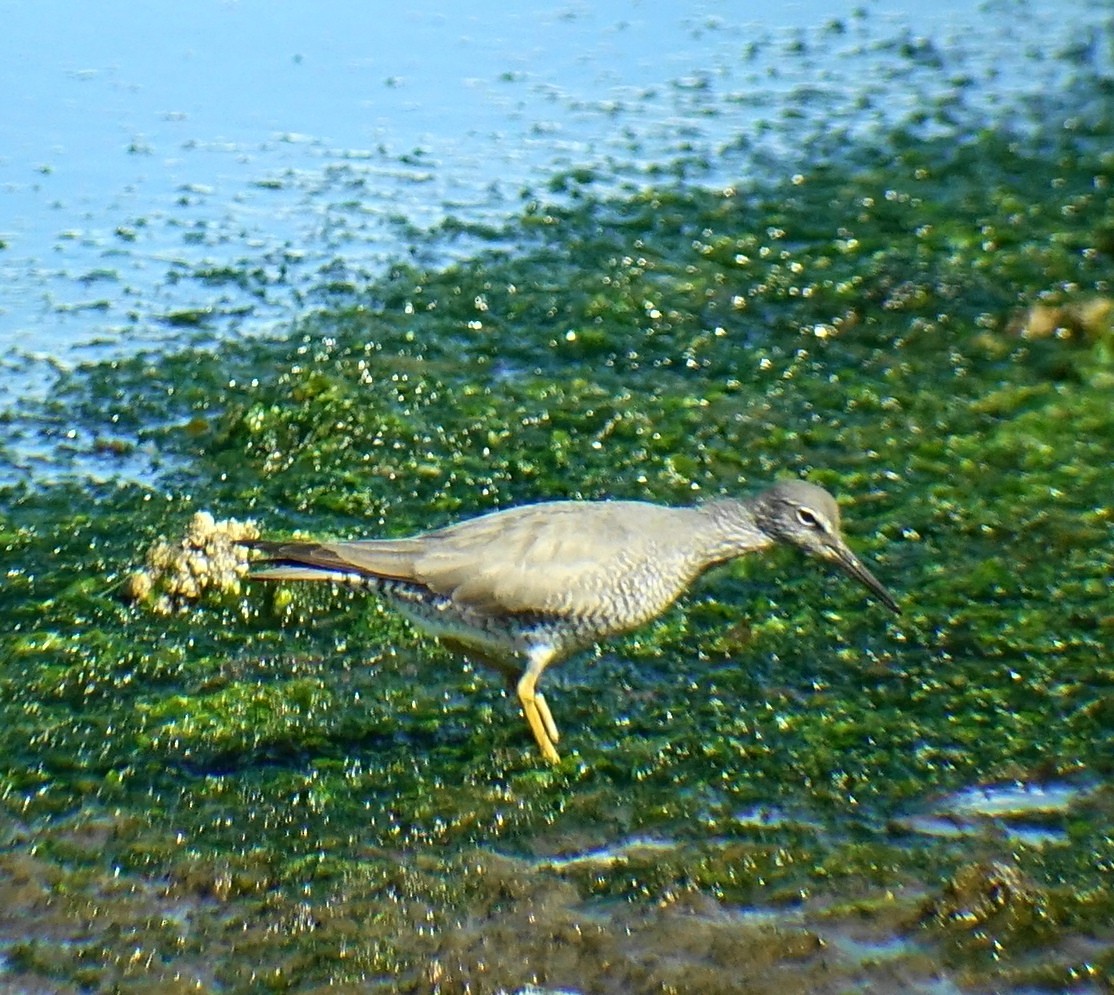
{"x": 206, "y": 561}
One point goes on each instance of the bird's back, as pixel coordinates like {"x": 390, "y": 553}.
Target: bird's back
{"x": 610, "y": 564}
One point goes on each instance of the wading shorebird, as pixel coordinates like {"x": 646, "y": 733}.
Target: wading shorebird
{"x": 521, "y": 588}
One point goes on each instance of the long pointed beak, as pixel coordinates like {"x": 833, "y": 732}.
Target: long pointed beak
{"x": 853, "y": 566}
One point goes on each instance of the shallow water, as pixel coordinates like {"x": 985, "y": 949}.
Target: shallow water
{"x": 225, "y": 166}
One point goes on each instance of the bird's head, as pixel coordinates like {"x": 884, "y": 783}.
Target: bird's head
{"x": 806, "y": 516}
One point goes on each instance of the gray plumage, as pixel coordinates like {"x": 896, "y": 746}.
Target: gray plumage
{"x": 541, "y": 581}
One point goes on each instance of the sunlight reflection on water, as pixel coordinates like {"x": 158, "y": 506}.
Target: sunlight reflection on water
{"x": 212, "y": 166}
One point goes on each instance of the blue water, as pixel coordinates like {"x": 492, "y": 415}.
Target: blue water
{"x": 214, "y": 164}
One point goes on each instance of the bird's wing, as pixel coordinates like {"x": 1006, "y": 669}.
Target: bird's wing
{"x": 561, "y": 557}
{"x": 556, "y": 557}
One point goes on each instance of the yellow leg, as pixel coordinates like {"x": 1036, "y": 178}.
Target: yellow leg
{"x": 534, "y": 706}
{"x": 547, "y": 716}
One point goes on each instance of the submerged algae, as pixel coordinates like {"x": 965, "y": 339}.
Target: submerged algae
{"x": 288, "y": 790}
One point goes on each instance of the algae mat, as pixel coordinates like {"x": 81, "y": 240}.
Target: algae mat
{"x": 775, "y": 787}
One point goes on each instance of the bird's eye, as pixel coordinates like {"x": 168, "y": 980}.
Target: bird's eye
{"x": 809, "y": 518}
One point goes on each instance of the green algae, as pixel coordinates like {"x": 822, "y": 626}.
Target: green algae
{"x": 288, "y": 790}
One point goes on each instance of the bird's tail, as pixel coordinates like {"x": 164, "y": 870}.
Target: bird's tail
{"x": 299, "y": 561}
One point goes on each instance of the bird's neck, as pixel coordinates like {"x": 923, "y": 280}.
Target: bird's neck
{"x": 734, "y": 530}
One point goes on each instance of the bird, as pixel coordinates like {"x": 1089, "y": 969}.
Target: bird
{"x": 521, "y": 588}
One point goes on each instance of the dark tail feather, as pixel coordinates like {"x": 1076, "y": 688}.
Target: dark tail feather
{"x": 299, "y": 561}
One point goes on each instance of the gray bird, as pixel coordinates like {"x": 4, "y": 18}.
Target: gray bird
{"x": 532, "y": 584}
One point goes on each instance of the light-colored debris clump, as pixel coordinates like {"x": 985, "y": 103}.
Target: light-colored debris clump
{"x": 207, "y": 560}
{"x": 1089, "y": 320}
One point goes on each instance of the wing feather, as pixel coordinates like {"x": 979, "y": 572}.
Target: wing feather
{"x": 551, "y": 557}
{"x": 554, "y": 557}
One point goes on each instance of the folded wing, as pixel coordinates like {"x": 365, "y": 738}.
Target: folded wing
{"x": 549, "y": 558}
